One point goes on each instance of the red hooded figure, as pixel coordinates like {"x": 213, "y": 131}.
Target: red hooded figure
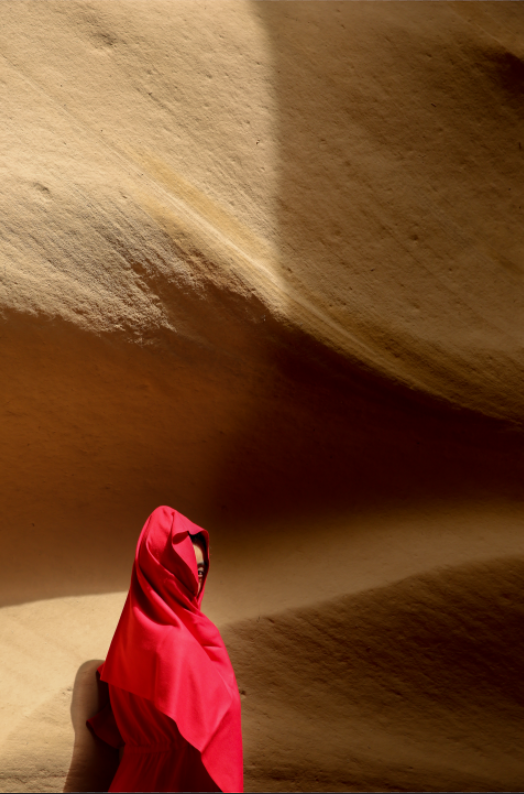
{"x": 174, "y": 702}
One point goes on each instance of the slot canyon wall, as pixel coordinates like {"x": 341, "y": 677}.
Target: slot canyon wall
{"x": 263, "y": 262}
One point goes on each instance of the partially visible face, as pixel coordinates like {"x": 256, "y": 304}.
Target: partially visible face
{"x": 201, "y": 565}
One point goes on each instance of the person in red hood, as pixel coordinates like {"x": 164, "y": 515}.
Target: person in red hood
{"x": 172, "y": 703}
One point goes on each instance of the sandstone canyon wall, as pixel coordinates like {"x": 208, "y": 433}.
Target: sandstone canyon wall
{"x": 263, "y": 262}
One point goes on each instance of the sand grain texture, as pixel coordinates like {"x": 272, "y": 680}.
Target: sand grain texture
{"x": 263, "y": 262}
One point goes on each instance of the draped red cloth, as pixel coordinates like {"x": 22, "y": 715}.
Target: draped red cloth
{"x": 168, "y": 658}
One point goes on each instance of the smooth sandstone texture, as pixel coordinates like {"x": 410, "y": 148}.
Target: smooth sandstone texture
{"x": 263, "y": 262}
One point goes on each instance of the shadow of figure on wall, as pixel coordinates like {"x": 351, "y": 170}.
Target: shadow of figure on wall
{"x": 93, "y": 763}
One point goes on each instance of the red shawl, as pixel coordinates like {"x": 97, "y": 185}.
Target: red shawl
{"x": 165, "y": 650}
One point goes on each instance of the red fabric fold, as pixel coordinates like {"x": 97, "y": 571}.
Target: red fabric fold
{"x": 167, "y": 651}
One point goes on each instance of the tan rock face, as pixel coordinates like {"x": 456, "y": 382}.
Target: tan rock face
{"x": 263, "y": 262}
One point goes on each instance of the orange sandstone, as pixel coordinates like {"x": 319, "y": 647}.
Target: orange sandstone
{"x": 263, "y": 262}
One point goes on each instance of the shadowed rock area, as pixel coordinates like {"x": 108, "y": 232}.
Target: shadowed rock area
{"x": 263, "y": 262}
{"x": 416, "y": 686}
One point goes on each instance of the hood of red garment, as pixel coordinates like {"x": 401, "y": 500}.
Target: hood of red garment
{"x": 167, "y": 559}
{"x": 166, "y": 650}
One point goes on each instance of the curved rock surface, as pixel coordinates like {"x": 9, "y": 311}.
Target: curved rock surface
{"x": 415, "y": 686}
{"x": 264, "y": 262}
